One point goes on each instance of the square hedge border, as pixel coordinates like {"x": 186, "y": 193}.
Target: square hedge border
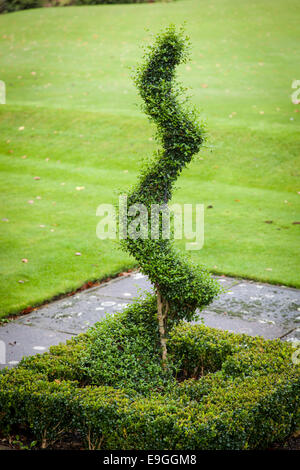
{"x": 244, "y": 394}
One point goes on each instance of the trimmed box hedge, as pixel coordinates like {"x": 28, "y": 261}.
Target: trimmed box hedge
{"x": 227, "y": 391}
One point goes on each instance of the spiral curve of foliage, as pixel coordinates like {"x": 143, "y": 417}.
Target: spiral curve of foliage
{"x": 181, "y": 286}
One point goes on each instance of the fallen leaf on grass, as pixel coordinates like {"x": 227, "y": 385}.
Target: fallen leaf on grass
{"x": 27, "y": 309}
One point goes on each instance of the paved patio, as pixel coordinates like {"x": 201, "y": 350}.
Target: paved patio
{"x": 248, "y": 307}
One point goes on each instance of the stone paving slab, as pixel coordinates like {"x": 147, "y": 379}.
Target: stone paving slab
{"x": 239, "y": 325}
{"x": 73, "y": 316}
{"x": 278, "y": 305}
{"x": 22, "y": 341}
{"x": 125, "y": 287}
{"x": 245, "y": 306}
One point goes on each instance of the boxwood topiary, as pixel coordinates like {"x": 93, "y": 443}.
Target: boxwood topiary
{"x": 181, "y": 287}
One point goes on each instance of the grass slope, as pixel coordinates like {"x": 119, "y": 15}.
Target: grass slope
{"x": 73, "y": 111}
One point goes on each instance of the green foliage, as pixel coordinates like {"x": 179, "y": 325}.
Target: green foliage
{"x": 200, "y": 350}
{"x": 123, "y": 351}
{"x": 16, "y": 5}
{"x": 183, "y": 285}
{"x": 62, "y": 362}
{"x": 224, "y": 408}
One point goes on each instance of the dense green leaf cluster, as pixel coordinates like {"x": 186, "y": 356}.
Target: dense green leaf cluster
{"x": 239, "y": 392}
{"x": 183, "y": 285}
{"x": 16, "y": 5}
{"x": 124, "y": 351}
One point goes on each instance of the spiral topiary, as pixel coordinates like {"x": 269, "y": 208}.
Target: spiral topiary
{"x": 181, "y": 287}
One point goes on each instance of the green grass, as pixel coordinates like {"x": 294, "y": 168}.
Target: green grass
{"x": 68, "y": 84}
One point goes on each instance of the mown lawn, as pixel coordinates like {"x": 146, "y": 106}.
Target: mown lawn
{"x": 72, "y": 119}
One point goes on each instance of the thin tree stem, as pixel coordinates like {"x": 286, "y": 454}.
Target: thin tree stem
{"x": 161, "y": 323}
